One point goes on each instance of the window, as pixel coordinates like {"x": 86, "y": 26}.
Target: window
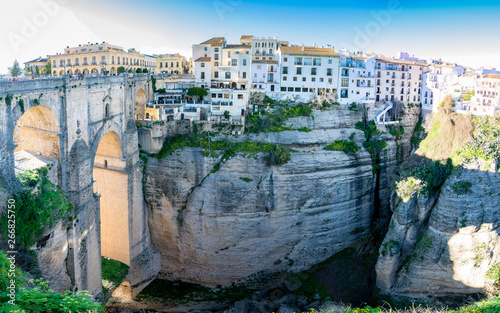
{"x": 313, "y": 79}
{"x": 216, "y": 63}
{"x": 244, "y": 75}
{"x": 244, "y": 62}
{"x": 303, "y": 79}
{"x": 299, "y": 70}
{"x": 331, "y": 80}
{"x": 321, "y": 79}
{"x": 313, "y": 71}
{"x": 297, "y": 89}
{"x": 206, "y": 49}
{"x": 229, "y": 54}
{"x": 290, "y": 88}
{"x": 284, "y": 78}
{"x": 234, "y": 62}
{"x": 202, "y": 75}
{"x": 329, "y": 61}
{"x": 345, "y": 82}
{"x": 298, "y": 61}
{"x": 161, "y": 64}
{"x": 294, "y": 79}
{"x": 216, "y": 49}
{"x": 240, "y": 96}
{"x": 305, "y": 89}
{"x": 228, "y": 75}
{"x": 285, "y": 59}
{"x": 216, "y": 74}
{"x": 329, "y": 72}
{"x": 308, "y": 61}
{"x": 216, "y": 56}
{"x": 202, "y": 65}
{"x": 317, "y": 62}
{"x": 283, "y": 88}
{"x": 259, "y": 67}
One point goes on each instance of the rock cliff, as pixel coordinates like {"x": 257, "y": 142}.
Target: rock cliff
{"x": 246, "y": 218}
{"x": 443, "y": 245}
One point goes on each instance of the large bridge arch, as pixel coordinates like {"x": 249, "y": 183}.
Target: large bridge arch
{"x": 37, "y": 131}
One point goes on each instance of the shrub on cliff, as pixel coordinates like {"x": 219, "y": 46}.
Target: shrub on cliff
{"x": 343, "y": 145}
{"x": 278, "y": 155}
{"x": 39, "y": 205}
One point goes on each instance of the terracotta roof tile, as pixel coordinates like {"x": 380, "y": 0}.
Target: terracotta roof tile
{"x": 215, "y": 41}
{"x": 203, "y": 59}
{"x": 309, "y": 50}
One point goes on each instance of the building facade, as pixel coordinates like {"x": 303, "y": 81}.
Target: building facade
{"x": 100, "y": 59}
{"x": 171, "y": 64}
{"x": 398, "y": 80}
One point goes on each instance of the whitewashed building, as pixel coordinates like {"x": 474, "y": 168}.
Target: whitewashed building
{"x": 356, "y": 79}
{"x": 308, "y": 72}
{"x": 398, "y": 80}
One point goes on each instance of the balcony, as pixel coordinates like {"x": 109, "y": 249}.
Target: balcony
{"x": 345, "y": 74}
{"x": 364, "y": 85}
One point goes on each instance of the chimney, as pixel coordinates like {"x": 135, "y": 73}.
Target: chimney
{"x": 302, "y": 47}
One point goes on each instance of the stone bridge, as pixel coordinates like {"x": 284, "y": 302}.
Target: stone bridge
{"x": 86, "y": 129}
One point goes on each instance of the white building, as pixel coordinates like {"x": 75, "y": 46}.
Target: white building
{"x": 441, "y": 79}
{"x": 308, "y": 72}
{"x": 398, "y": 80}
{"x": 356, "y": 79}
{"x": 486, "y": 99}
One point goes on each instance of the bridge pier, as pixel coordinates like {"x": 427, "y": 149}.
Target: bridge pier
{"x": 86, "y": 111}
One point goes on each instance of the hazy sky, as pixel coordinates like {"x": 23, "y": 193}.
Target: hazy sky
{"x": 465, "y": 32}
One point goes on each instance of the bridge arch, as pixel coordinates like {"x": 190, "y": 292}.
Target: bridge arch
{"x": 37, "y": 137}
{"x": 140, "y": 97}
{"x": 111, "y": 184}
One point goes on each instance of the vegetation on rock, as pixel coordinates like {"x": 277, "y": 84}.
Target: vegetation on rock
{"x": 348, "y": 147}
{"x": 41, "y": 204}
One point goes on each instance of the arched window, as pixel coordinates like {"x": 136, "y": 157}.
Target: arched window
{"x": 106, "y": 110}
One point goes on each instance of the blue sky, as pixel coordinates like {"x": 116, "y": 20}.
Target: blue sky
{"x": 459, "y": 31}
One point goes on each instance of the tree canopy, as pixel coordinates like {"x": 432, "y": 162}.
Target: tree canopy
{"x": 15, "y": 70}
{"x": 197, "y": 92}
{"x": 121, "y": 70}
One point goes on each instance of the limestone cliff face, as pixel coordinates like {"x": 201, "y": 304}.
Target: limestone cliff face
{"x": 247, "y": 217}
{"x": 443, "y": 246}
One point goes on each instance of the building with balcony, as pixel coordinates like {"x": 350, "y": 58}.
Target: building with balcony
{"x": 356, "y": 78}
{"x": 486, "y": 99}
{"x": 308, "y": 72}
{"x": 441, "y": 79}
{"x": 100, "y": 59}
{"x": 398, "y": 80}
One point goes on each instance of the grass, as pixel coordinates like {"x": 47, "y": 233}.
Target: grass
{"x": 343, "y": 145}
{"x": 113, "y": 273}
{"x": 448, "y": 133}
{"x": 488, "y": 306}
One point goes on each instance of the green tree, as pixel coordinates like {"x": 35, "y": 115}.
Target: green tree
{"x": 197, "y": 92}
{"x": 121, "y": 70}
{"x": 15, "y": 71}
{"x": 226, "y": 114}
{"x": 138, "y": 70}
{"x": 145, "y": 71}
{"x": 48, "y": 66}
{"x": 129, "y": 70}
{"x": 37, "y": 71}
